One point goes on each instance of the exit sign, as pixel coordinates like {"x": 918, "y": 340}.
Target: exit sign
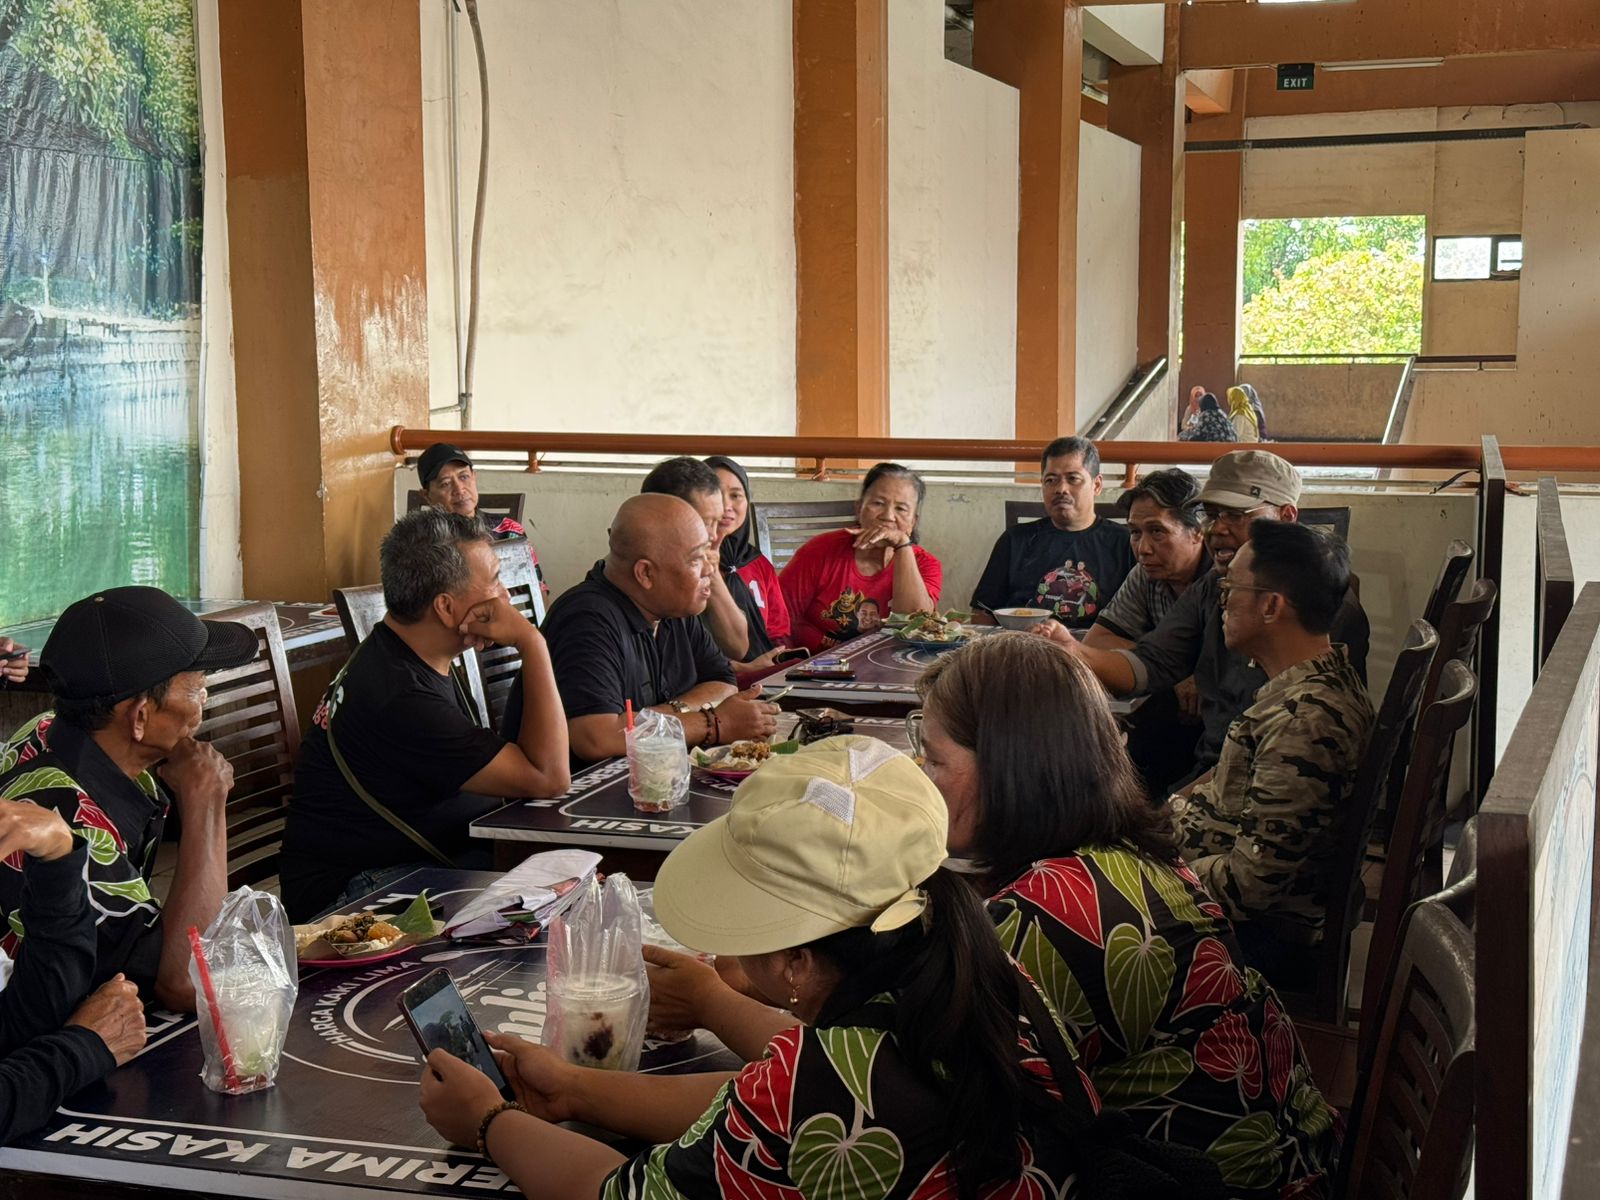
{"x": 1297, "y": 77}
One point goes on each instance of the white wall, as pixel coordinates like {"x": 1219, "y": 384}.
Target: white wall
{"x": 638, "y": 258}
{"x": 1108, "y": 268}
{"x": 221, "y": 568}
{"x": 1131, "y": 34}
{"x": 952, "y": 237}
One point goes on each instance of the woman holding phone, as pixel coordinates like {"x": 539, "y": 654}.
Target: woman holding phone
{"x": 917, "y": 1062}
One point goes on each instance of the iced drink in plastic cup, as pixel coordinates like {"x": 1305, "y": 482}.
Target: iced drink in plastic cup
{"x": 658, "y": 773}
{"x": 596, "y": 1013}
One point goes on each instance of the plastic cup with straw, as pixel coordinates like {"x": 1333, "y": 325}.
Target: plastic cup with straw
{"x": 230, "y": 1072}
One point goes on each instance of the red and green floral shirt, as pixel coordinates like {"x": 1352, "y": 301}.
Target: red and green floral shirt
{"x": 1140, "y": 966}
{"x": 831, "y": 1113}
{"x": 54, "y": 764}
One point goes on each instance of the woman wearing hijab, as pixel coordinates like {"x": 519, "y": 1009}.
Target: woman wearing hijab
{"x": 1245, "y": 415}
{"x": 740, "y": 555}
{"x": 918, "y": 1061}
{"x": 1212, "y": 426}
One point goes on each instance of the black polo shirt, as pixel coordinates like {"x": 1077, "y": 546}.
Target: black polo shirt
{"x": 605, "y": 653}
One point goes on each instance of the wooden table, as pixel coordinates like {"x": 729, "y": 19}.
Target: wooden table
{"x": 598, "y": 812}
{"x": 887, "y": 670}
{"x": 343, "y": 1119}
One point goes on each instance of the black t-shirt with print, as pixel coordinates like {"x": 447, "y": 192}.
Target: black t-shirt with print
{"x": 1073, "y": 573}
{"x": 409, "y": 736}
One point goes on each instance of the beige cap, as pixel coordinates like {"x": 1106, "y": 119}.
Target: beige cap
{"x": 1246, "y": 478}
{"x": 835, "y": 836}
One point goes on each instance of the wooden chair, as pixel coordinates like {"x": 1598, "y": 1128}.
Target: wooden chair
{"x": 1412, "y": 1130}
{"x": 499, "y": 664}
{"x": 250, "y": 719}
{"x": 491, "y": 504}
{"x": 1018, "y": 511}
{"x": 1330, "y": 520}
{"x": 1452, "y": 574}
{"x": 1412, "y": 868}
{"x": 360, "y": 610}
{"x": 781, "y": 529}
{"x": 1341, "y": 881}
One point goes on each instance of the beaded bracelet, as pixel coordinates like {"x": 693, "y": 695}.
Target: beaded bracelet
{"x": 488, "y": 1119}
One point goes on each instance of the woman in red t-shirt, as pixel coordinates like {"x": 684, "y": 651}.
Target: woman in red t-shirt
{"x": 843, "y": 584}
{"x": 740, "y": 554}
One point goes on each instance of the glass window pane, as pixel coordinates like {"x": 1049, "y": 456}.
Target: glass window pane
{"x": 1461, "y": 257}
{"x": 1508, "y": 256}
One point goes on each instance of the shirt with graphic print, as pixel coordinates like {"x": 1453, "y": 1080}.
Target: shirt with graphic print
{"x": 1142, "y": 969}
{"x": 1261, "y": 830}
{"x": 504, "y": 529}
{"x": 55, "y": 764}
{"x": 833, "y": 1111}
{"x": 831, "y": 601}
{"x": 1072, "y": 572}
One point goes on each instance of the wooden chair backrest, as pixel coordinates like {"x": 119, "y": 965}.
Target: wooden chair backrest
{"x": 360, "y": 610}
{"x": 781, "y": 529}
{"x": 1412, "y": 868}
{"x": 1018, "y": 511}
{"x": 250, "y": 719}
{"x": 1413, "y": 1124}
{"x": 1452, "y": 574}
{"x": 493, "y": 505}
{"x": 1341, "y": 882}
{"x": 500, "y": 664}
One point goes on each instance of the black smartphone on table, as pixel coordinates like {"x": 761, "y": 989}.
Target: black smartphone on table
{"x": 439, "y": 1020}
{"x": 793, "y": 654}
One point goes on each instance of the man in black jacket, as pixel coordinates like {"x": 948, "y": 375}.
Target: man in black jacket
{"x": 46, "y": 1054}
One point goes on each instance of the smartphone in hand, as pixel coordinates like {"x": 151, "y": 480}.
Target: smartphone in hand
{"x": 439, "y": 1020}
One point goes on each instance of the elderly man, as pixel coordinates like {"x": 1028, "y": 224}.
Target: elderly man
{"x": 53, "y": 1041}
{"x": 1071, "y": 561}
{"x": 126, "y": 669}
{"x": 1260, "y": 831}
{"x": 450, "y": 483}
{"x": 396, "y": 765}
{"x": 1244, "y": 486}
{"x": 629, "y": 633}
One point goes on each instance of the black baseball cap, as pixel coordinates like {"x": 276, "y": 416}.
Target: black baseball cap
{"x": 436, "y": 457}
{"x": 123, "y": 641}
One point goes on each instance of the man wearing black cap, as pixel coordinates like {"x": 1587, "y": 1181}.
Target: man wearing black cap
{"x": 450, "y": 484}
{"x": 127, "y": 670}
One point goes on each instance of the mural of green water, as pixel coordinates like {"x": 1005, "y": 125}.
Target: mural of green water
{"x": 98, "y": 487}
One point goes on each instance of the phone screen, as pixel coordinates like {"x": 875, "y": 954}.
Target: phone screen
{"x": 439, "y": 1020}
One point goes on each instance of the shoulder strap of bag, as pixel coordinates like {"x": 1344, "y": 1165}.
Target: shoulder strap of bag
{"x": 367, "y": 798}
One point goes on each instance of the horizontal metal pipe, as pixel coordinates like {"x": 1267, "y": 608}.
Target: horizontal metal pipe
{"x": 1408, "y": 137}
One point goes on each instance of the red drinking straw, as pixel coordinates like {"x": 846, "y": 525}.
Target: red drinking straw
{"x": 230, "y": 1073}
{"x": 627, "y": 707}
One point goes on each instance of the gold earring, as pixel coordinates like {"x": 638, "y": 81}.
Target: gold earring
{"x": 794, "y": 995}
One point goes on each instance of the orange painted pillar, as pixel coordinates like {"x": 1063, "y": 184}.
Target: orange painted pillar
{"x": 328, "y": 278}
{"x": 1037, "y": 47}
{"x": 1213, "y": 185}
{"x": 1146, "y": 106}
{"x": 841, "y": 217}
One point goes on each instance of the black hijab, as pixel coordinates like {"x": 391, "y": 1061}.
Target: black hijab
{"x": 739, "y": 547}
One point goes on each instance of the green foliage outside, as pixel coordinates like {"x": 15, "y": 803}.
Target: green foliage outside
{"x": 98, "y": 51}
{"x": 1333, "y": 285}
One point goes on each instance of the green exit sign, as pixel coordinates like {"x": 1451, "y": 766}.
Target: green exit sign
{"x": 1297, "y": 77}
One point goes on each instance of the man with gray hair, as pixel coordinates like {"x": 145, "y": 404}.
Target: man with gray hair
{"x": 395, "y": 764}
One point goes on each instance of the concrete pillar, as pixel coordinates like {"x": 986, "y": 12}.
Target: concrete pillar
{"x": 1147, "y": 106}
{"x": 1037, "y": 47}
{"x": 1212, "y": 186}
{"x": 841, "y": 217}
{"x": 328, "y": 280}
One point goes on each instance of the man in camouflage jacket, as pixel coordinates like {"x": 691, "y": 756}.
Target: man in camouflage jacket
{"x": 1260, "y": 830}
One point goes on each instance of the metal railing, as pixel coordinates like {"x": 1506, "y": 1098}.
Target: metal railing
{"x": 1139, "y": 388}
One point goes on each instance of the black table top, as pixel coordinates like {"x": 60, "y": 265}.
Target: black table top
{"x": 598, "y": 812}
{"x": 343, "y": 1118}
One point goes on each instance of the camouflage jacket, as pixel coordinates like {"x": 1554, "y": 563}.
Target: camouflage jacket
{"x": 1259, "y": 831}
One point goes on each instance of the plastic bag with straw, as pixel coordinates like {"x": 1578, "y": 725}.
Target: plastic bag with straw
{"x": 597, "y": 994}
{"x": 245, "y": 984}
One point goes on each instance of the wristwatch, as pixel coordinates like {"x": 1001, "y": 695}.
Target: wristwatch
{"x": 679, "y": 707}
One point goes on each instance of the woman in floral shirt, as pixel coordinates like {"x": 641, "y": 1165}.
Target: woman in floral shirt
{"x": 916, "y": 1071}
{"x": 1089, "y": 894}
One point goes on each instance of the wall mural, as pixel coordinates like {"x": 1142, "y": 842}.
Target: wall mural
{"x": 99, "y": 300}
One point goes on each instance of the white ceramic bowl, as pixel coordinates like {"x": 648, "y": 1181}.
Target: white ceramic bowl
{"x": 1021, "y": 618}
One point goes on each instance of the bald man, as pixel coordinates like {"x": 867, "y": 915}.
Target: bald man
{"x": 629, "y": 632}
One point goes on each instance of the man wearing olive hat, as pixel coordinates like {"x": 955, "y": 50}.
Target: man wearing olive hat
{"x": 1243, "y": 486}
{"x": 127, "y": 670}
